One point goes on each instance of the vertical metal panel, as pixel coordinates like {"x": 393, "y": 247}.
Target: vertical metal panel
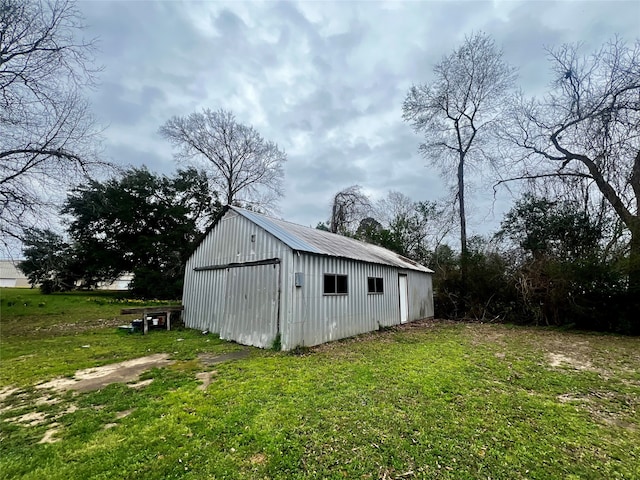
{"x": 420, "y": 295}
{"x": 250, "y": 314}
{"x": 318, "y": 318}
{"x": 235, "y": 239}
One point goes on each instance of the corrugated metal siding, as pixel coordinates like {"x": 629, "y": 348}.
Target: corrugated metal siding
{"x": 316, "y": 318}
{"x": 420, "y": 296}
{"x": 251, "y": 305}
{"x": 229, "y": 242}
{"x": 203, "y": 298}
{"x": 307, "y": 317}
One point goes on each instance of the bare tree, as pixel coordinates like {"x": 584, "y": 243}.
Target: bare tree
{"x": 587, "y": 128}
{"x": 459, "y": 108}
{"x": 349, "y": 207}
{"x": 418, "y": 226}
{"x": 244, "y": 167}
{"x": 47, "y": 134}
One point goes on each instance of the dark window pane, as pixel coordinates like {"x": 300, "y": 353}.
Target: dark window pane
{"x": 329, "y": 284}
{"x": 379, "y": 285}
{"x": 371, "y": 285}
{"x": 341, "y": 284}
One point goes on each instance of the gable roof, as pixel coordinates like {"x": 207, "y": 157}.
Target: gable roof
{"x": 312, "y": 240}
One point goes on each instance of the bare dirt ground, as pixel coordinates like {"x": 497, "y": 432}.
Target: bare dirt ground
{"x": 91, "y": 379}
{"x": 99, "y": 377}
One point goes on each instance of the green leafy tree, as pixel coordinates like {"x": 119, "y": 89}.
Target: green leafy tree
{"x": 560, "y": 271}
{"x": 542, "y": 227}
{"x": 141, "y": 223}
{"x": 49, "y": 261}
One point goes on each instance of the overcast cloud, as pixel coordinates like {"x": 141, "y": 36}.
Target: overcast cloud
{"x": 326, "y": 81}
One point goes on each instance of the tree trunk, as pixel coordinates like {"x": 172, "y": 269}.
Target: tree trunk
{"x": 463, "y": 237}
{"x": 463, "y": 220}
{"x": 634, "y": 261}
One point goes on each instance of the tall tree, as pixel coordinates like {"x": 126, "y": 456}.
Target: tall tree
{"x": 47, "y": 134}
{"x": 141, "y": 223}
{"x": 244, "y": 167}
{"x": 587, "y": 127}
{"x": 458, "y": 109}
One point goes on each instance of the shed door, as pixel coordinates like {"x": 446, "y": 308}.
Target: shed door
{"x": 404, "y": 303}
{"x": 251, "y": 305}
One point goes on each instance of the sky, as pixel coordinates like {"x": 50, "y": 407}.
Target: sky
{"x": 324, "y": 80}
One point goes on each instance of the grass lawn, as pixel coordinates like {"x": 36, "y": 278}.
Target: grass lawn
{"x": 428, "y": 400}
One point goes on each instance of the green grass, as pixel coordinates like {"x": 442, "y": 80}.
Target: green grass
{"x": 441, "y": 400}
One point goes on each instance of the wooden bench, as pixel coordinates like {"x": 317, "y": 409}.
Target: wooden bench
{"x": 146, "y": 311}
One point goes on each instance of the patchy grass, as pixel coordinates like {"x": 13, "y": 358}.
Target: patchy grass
{"x": 433, "y": 400}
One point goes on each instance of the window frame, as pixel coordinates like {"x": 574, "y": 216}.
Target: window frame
{"x": 336, "y": 284}
{"x": 378, "y": 286}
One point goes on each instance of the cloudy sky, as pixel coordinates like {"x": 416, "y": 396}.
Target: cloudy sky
{"x": 325, "y": 80}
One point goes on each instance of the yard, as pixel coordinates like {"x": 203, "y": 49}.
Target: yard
{"x": 427, "y": 400}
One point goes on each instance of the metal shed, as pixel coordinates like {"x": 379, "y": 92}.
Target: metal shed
{"x": 255, "y": 280}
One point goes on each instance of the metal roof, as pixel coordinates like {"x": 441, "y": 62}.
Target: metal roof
{"x": 320, "y": 242}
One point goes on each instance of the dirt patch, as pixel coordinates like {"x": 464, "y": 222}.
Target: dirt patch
{"x": 205, "y": 378}
{"x": 561, "y": 360}
{"x": 569, "y": 398}
{"x": 32, "y": 419}
{"x": 141, "y": 384}
{"x": 47, "y": 400}
{"x": 6, "y": 392}
{"x": 124, "y": 413}
{"x": 99, "y": 377}
{"x": 209, "y": 359}
{"x": 49, "y": 435}
{"x": 258, "y": 459}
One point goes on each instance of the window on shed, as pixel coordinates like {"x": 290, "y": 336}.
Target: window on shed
{"x": 375, "y": 285}
{"x": 335, "y": 284}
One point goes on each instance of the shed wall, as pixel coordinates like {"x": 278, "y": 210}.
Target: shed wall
{"x": 234, "y": 240}
{"x": 316, "y": 318}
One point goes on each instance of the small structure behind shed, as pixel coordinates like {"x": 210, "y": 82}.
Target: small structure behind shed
{"x": 262, "y": 281}
{"x": 11, "y": 275}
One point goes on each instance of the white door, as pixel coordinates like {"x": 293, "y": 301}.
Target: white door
{"x": 404, "y": 303}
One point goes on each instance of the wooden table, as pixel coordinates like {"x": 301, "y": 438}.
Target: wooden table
{"x": 145, "y": 311}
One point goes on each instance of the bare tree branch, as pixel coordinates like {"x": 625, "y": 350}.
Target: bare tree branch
{"x": 48, "y": 137}
{"x": 239, "y": 160}
{"x": 588, "y": 127}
